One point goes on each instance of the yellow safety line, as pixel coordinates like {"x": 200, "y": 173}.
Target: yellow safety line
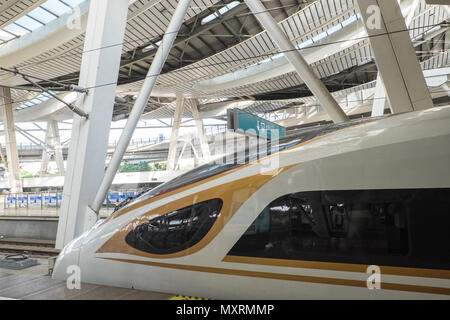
{"x": 180, "y": 297}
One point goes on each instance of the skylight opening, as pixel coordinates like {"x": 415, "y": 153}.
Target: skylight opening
{"x": 42, "y": 15}
{"x": 305, "y": 44}
{"x": 349, "y": 21}
{"x": 56, "y": 6}
{"x": 15, "y": 30}
{"x": 28, "y": 23}
{"x": 220, "y": 12}
{"x": 148, "y": 48}
{"x": 5, "y": 36}
{"x": 320, "y": 36}
{"x": 36, "y": 100}
{"x": 36, "y": 18}
{"x": 328, "y": 32}
{"x": 310, "y": 42}
{"x": 436, "y": 28}
{"x": 152, "y": 46}
{"x": 334, "y": 29}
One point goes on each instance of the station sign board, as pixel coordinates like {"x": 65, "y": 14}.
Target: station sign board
{"x": 246, "y": 123}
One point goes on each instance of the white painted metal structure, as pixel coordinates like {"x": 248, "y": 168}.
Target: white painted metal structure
{"x": 138, "y": 108}
{"x": 353, "y": 100}
{"x": 395, "y": 56}
{"x": 297, "y": 61}
{"x": 53, "y": 141}
{"x": 206, "y": 154}
{"x": 11, "y": 145}
{"x": 89, "y": 140}
{"x": 179, "y": 110}
{"x": 379, "y": 100}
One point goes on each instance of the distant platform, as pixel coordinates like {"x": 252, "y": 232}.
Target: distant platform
{"x": 121, "y": 179}
{"x": 44, "y": 213}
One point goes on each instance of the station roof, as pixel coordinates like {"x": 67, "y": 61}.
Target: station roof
{"x": 221, "y": 52}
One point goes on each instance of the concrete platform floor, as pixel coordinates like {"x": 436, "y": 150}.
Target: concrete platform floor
{"x": 35, "y": 284}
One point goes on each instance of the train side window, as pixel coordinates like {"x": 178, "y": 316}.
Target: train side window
{"x": 329, "y": 226}
{"x": 177, "y": 230}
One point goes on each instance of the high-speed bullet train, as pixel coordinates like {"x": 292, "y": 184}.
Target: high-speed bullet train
{"x": 359, "y": 210}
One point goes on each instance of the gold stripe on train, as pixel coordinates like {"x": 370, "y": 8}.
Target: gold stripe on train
{"x": 336, "y": 266}
{"x": 291, "y": 277}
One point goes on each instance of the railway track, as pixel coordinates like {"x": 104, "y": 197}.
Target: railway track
{"x": 41, "y": 248}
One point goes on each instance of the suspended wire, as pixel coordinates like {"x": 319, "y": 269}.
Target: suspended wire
{"x": 27, "y": 100}
{"x": 167, "y": 33}
{"x": 264, "y": 55}
{"x": 162, "y": 35}
{"x": 369, "y": 99}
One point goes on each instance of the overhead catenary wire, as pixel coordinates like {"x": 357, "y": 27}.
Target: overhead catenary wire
{"x": 146, "y": 38}
{"x": 62, "y": 85}
{"x": 264, "y": 55}
{"x": 45, "y": 90}
{"x": 75, "y": 109}
{"x": 349, "y": 101}
{"x": 26, "y": 100}
{"x": 160, "y": 36}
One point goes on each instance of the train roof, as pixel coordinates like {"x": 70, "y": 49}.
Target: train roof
{"x": 224, "y": 164}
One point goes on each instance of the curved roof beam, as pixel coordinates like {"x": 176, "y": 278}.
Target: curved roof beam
{"x": 49, "y": 110}
{"x": 278, "y": 65}
{"x": 52, "y": 35}
{"x": 42, "y": 39}
{"x": 6, "y": 5}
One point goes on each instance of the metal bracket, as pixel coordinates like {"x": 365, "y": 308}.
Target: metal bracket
{"x": 71, "y": 87}
{"x": 75, "y": 109}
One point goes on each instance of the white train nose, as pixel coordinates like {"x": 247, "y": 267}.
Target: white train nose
{"x": 66, "y": 263}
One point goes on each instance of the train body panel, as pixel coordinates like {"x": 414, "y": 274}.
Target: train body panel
{"x": 385, "y": 164}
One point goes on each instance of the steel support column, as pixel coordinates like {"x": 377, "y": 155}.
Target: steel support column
{"x": 155, "y": 69}
{"x": 305, "y": 72}
{"x": 446, "y": 88}
{"x": 88, "y": 146}
{"x": 379, "y": 99}
{"x": 179, "y": 110}
{"x": 12, "y": 154}
{"x": 206, "y": 155}
{"x": 2, "y": 156}
{"x": 56, "y": 144}
{"x": 46, "y": 152}
{"x": 395, "y": 56}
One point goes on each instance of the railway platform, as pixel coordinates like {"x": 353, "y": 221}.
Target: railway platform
{"x": 35, "y": 284}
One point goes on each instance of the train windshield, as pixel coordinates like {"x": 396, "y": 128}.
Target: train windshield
{"x": 232, "y": 161}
